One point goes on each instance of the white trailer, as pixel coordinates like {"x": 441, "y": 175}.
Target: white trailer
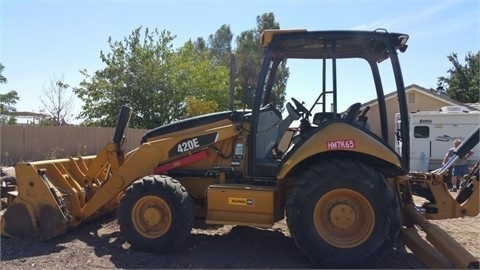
{"x": 432, "y": 133}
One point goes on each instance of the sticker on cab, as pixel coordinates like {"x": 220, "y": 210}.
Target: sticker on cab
{"x": 341, "y": 144}
{"x": 240, "y": 201}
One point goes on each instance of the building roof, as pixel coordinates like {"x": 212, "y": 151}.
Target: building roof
{"x": 429, "y": 92}
{"x": 28, "y": 114}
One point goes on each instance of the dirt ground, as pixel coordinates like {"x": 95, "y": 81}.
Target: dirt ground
{"x": 99, "y": 244}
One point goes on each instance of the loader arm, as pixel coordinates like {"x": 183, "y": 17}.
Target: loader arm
{"x": 142, "y": 162}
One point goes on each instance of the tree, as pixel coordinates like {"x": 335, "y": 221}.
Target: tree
{"x": 463, "y": 82}
{"x": 7, "y": 107}
{"x": 206, "y": 80}
{"x": 58, "y": 102}
{"x": 220, "y": 45}
{"x": 197, "y": 107}
{"x": 200, "y": 44}
{"x": 7, "y": 102}
{"x": 146, "y": 73}
{"x": 249, "y": 55}
{"x": 2, "y": 78}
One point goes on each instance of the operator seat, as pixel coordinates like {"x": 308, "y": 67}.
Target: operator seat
{"x": 267, "y": 132}
{"x": 271, "y": 129}
{"x": 352, "y": 112}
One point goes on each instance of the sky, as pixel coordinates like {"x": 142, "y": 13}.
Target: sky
{"x": 43, "y": 40}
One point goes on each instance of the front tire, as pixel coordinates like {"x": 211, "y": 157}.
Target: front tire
{"x": 343, "y": 214}
{"x": 156, "y": 214}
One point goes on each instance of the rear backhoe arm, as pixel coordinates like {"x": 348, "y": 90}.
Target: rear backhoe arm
{"x": 441, "y": 250}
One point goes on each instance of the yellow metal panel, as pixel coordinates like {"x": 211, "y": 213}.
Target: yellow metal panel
{"x": 241, "y": 205}
{"x": 267, "y": 35}
{"x": 340, "y": 137}
{"x": 35, "y": 212}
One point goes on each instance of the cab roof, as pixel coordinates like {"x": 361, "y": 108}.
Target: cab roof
{"x": 333, "y": 44}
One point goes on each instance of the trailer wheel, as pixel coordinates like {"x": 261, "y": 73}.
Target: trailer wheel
{"x": 343, "y": 214}
{"x": 156, "y": 214}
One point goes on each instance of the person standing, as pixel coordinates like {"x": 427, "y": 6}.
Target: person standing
{"x": 460, "y": 167}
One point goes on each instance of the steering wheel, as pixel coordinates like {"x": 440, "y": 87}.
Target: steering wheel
{"x": 301, "y": 108}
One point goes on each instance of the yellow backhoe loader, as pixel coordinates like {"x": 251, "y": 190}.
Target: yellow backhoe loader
{"x": 348, "y": 197}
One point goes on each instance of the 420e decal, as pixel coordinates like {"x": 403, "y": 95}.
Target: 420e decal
{"x": 192, "y": 143}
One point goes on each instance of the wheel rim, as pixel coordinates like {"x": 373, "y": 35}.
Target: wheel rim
{"x": 151, "y": 216}
{"x": 344, "y": 218}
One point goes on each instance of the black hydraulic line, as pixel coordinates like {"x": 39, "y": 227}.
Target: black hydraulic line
{"x": 461, "y": 150}
{"x": 58, "y": 201}
{"x": 466, "y": 189}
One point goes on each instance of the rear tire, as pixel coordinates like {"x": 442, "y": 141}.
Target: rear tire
{"x": 343, "y": 214}
{"x": 156, "y": 214}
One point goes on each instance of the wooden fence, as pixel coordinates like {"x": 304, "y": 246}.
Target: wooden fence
{"x": 30, "y": 143}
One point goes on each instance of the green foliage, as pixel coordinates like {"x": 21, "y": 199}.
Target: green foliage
{"x": 134, "y": 75}
{"x": 2, "y": 78}
{"x": 249, "y": 55}
{"x": 163, "y": 85}
{"x": 200, "y": 44}
{"x": 197, "y": 107}
{"x": 203, "y": 78}
{"x": 463, "y": 82}
{"x": 144, "y": 72}
{"x": 48, "y": 121}
{"x": 7, "y": 103}
{"x": 7, "y": 120}
{"x": 220, "y": 45}
{"x": 248, "y": 59}
{"x": 7, "y": 106}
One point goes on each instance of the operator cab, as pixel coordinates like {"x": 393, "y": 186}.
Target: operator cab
{"x": 330, "y": 51}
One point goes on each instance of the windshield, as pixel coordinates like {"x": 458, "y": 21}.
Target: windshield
{"x": 312, "y": 82}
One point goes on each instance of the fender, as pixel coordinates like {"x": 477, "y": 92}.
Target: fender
{"x": 339, "y": 136}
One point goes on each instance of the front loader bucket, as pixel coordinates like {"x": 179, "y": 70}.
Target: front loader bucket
{"x": 41, "y": 221}
{"x": 52, "y": 196}
{"x": 49, "y": 199}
